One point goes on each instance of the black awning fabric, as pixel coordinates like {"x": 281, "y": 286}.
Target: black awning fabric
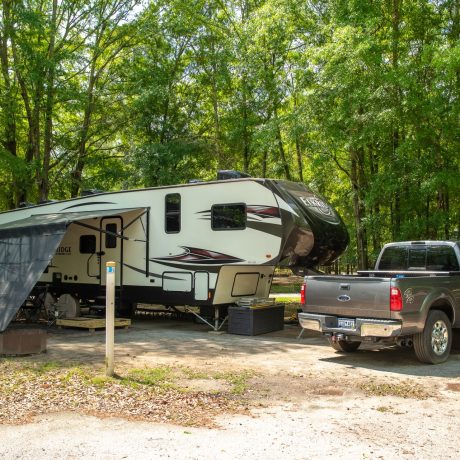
{"x": 27, "y": 247}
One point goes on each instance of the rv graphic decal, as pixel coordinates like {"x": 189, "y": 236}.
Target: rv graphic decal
{"x": 92, "y": 203}
{"x": 253, "y": 210}
{"x": 199, "y": 256}
{"x": 264, "y": 212}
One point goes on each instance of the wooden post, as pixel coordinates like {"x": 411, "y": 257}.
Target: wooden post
{"x": 110, "y": 319}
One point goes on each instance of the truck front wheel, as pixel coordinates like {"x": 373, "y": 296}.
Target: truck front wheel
{"x": 433, "y": 345}
{"x": 345, "y": 346}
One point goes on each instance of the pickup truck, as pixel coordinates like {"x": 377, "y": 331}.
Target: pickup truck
{"x": 411, "y": 298}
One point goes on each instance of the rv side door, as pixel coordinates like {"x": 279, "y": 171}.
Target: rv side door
{"x": 111, "y": 246}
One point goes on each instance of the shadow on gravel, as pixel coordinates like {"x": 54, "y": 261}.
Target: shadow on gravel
{"x": 173, "y": 338}
{"x": 401, "y": 361}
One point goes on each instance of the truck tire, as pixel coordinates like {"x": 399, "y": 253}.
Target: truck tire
{"x": 432, "y": 346}
{"x": 345, "y": 346}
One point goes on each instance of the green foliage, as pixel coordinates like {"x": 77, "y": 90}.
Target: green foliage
{"x": 358, "y": 99}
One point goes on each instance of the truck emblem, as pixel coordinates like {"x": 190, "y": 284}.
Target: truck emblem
{"x": 343, "y": 298}
{"x": 409, "y": 295}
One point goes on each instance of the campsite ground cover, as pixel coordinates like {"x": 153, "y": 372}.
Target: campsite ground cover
{"x": 185, "y": 393}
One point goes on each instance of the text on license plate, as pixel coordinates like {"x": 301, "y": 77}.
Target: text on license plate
{"x": 346, "y": 323}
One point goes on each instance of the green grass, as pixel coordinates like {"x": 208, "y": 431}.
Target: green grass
{"x": 406, "y": 390}
{"x": 290, "y": 300}
{"x": 285, "y": 289}
{"x": 238, "y": 380}
{"x": 162, "y": 377}
{"x": 193, "y": 374}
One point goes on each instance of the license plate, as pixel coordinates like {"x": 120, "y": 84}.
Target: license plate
{"x": 346, "y": 323}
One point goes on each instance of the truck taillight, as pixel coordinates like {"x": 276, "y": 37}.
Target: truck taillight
{"x": 302, "y": 293}
{"x": 396, "y": 302}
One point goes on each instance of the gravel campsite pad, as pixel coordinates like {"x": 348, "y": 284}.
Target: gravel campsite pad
{"x": 180, "y": 392}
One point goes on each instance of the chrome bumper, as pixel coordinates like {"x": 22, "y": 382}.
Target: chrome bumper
{"x": 364, "y": 327}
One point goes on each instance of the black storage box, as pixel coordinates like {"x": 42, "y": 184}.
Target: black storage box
{"x": 254, "y": 321}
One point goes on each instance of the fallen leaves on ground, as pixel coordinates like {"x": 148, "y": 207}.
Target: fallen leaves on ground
{"x": 26, "y": 391}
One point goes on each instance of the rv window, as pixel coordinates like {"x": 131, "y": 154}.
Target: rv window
{"x": 87, "y": 244}
{"x": 228, "y": 217}
{"x": 172, "y": 213}
{"x": 110, "y": 240}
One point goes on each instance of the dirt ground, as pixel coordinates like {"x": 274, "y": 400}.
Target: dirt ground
{"x": 304, "y": 400}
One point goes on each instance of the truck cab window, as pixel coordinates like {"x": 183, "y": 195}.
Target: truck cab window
{"x": 393, "y": 258}
{"x": 442, "y": 258}
{"x": 417, "y": 259}
{"x": 228, "y": 217}
{"x": 172, "y": 213}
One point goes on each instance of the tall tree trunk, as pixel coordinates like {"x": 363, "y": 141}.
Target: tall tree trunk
{"x": 246, "y": 136}
{"x": 215, "y": 108}
{"x": 375, "y": 208}
{"x": 77, "y": 172}
{"x": 9, "y": 141}
{"x": 264, "y": 163}
{"x": 395, "y": 29}
{"x": 298, "y": 149}
{"x": 358, "y": 208}
{"x": 50, "y": 92}
{"x": 279, "y": 139}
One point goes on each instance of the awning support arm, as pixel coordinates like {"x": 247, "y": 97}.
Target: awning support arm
{"x": 147, "y": 244}
{"x": 135, "y": 219}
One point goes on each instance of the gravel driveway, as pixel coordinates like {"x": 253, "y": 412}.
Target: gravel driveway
{"x": 306, "y": 401}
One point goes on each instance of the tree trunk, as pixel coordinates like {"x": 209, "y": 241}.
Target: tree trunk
{"x": 9, "y": 141}
{"x": 77, "y": 173}
{"x": 395, "y": 25}
{"x": 358, "y": 209}
{"x": 246, "y": 137}
{"x": 299, "y": 157}
{"x": 50, "y": 92}
{"x": 279, "y": 139}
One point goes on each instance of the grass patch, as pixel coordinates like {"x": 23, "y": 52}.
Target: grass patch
{"x": 285, "y": 289}
{"x": 406, "y": 390}
{"x": 238, "y": 380}
{"x": 383, "y": 409}
{"x": 161, "y": 377}
{"x": 288, "y": 300}
{"x": 192, "y": 374}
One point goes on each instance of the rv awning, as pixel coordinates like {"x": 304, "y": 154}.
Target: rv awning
{"x": 27, "y": 247}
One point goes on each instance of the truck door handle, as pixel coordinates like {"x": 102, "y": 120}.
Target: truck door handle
{"x": 344, "y": 287}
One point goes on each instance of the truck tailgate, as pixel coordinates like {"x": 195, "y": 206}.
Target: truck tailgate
{"x": 348, "y": 296}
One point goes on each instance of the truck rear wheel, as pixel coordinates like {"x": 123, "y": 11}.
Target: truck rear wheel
{"x": 345, "y": 346}
{"x": 432, "y": 346}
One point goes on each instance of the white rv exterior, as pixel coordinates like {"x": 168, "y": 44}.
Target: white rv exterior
{"x": 196, "y": 244}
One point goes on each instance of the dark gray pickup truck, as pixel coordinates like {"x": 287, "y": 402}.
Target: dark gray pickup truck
{"x": 412, "y": 298}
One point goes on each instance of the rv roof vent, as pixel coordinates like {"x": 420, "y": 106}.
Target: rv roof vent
{"x": 225, "y": 174}
{"x": 93, "y": 191}
{"x": 25, "y": 204}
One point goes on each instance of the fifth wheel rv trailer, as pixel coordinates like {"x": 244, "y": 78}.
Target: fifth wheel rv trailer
{"x": 206, "y": 243}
